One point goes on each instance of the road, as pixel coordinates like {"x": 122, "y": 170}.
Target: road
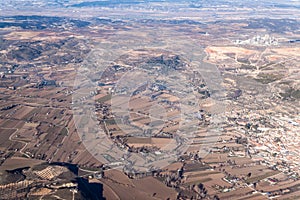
{"x": 12, "y": 138}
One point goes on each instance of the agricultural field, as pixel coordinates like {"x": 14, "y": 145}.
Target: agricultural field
{"x": 149, "y": 100}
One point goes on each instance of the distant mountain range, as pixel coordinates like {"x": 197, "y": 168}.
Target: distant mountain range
{"x": 183, "y": 3}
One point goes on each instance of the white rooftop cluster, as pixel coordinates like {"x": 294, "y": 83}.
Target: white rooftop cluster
{"x": 258, "y": 40}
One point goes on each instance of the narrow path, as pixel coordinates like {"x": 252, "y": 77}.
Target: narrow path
{"x": 11, "y": 138}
